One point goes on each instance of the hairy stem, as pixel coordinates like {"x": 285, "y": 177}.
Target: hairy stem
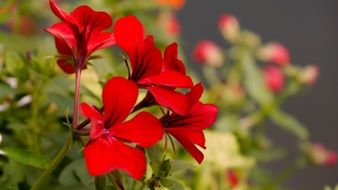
{"x": 76, "y": 97}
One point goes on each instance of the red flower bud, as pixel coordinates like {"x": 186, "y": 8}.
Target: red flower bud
{"x": 207, "y": 52}
{"x": 229, "y": 26}
{"x": 274, "y": 78}
{"x": 275, "y": 53}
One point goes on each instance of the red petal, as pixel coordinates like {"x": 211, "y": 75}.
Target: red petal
{"x": 62, "y": 32}
{"x": 195, "y": 94}
{"x": 96, "y": 119}
{"x": 188, "y": 140}
{"x": 105, "y": 155}
{"x": 144, "y": 130}
{"x": 64, "y": 16}
{"x": 170, "y": 99}
{"x": 119, "y": 97}
{"x": 169, "y": 79}
{"x": 91, "y": 21}
{"x": 200, "y": 117}
{"x": 149, "y": 61}
{"x": 65, "y": 66}
{"x": 102, "y": 40}
{"x": 129, "y": 34}
{"x": 171, "y": 62}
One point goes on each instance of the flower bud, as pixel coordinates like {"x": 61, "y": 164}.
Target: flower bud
{"x": 274, "y": 78}
{"x": 232, "y": 178}
{"x": 275, "y": 53}
{"x": 319, "y": 155}
{"x": 207, "y": 52}
{"x": 229, "y": 26}
{"x": 309, "y": 75}
{"x": 170, "y": 24}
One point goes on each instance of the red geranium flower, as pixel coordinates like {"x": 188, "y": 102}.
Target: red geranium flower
{"x": 149, "y": 70}
{"x": 79, "y": 34}
{"x": 188, "y": 129}
{"x": 106, "y": 150}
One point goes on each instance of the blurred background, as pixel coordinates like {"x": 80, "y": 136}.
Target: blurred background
{"x": 309, "y": 28}
{"x": 35, "y": 95}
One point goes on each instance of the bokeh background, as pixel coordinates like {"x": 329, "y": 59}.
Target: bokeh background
{"x": 309, "y": 28}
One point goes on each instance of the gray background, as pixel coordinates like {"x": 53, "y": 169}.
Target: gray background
{"x": 309, "y": 28}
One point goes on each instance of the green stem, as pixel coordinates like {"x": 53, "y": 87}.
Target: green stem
{"x": 48, "y": 171}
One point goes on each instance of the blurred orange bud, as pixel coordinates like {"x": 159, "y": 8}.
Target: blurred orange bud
{"x": 229, "y": 26}
{"x": 309, "y": 75}
{"x": 207, "y": 52}
{"x": 177, "y": 4}
{"x": 274, "y": 78}
{"x": 275, "y": 53}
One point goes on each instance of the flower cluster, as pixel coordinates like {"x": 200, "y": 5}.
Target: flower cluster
{"x": 120, "y": 130}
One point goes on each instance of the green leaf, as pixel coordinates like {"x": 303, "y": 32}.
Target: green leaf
{"x": 76, "y": 172}
{"x": 180, "y": 165}
{"x": 14, "y": 63}
{"x": 26, "y": 157}
{"x": 154, "y": 155}
{"x": 171, "y": 184}
{"x": 289, "y": 123}
{"x": 254, "y": 82}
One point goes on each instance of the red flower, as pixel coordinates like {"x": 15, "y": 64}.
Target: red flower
{"x": 106, "y": 150}
{"x": 149, "y": 70}
{"x": 79, "y": 34}
{"x": 274, "y": 78}
{"x": 188, "y": 129}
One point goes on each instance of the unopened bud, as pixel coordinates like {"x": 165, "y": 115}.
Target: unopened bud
{"x": 275, "y": 53}
{"x": 274, "y": 78}
{"x": 319, "y": 155}
{"x": 309, "y": 75}
{"x": 207, "y": 52}
{"x": 229, "y": 26}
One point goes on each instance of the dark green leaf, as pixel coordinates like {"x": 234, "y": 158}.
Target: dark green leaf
{"x": 76, "y": 172}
